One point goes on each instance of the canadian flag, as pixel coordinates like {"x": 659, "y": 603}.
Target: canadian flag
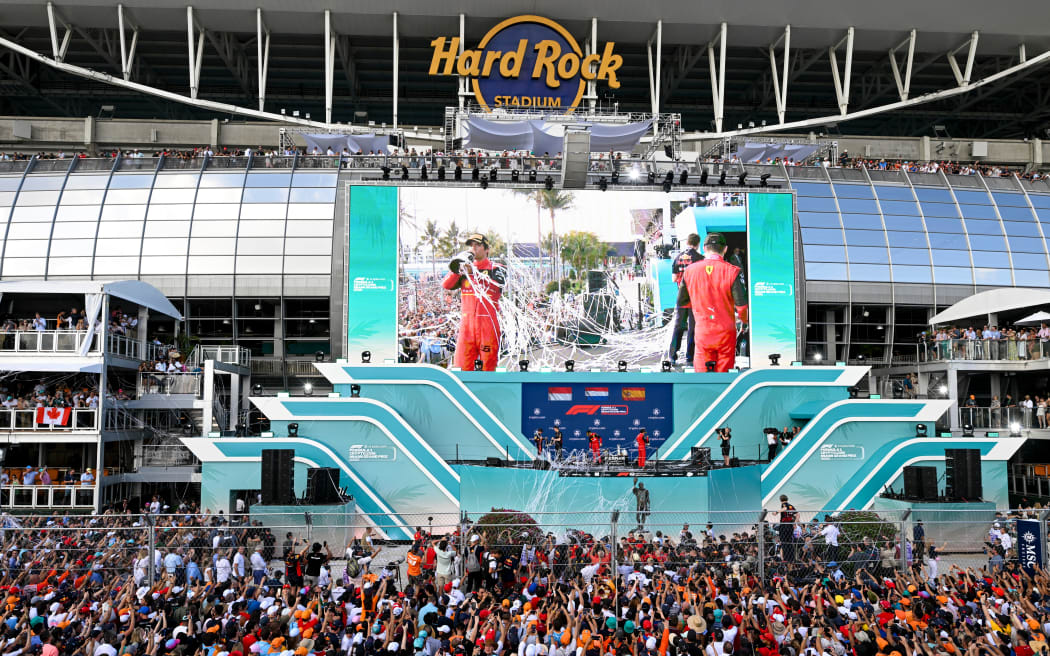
{"x": 53, "y": 416}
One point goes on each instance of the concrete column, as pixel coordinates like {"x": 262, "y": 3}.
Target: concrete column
{"x": 235, "y": 400}
{"x": 953, "y": 396}
{"x": 924, "y": 385}
{"x": 142, "y": 329}
{"x": 209, "y": 395}
{"x": 1037, "y": 151}
{"x": 829, "y": 336}
{"x": 214, "y": 130}
{"x": 89, "y": 133}
{"x": 924, "y": 149}
{"x": 993, "y": 318}
{"x": 996, "y": 385}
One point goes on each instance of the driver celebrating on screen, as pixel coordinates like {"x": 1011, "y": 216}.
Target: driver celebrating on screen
{"x": 713, "y": 287}
{"x": 480, "y": 281}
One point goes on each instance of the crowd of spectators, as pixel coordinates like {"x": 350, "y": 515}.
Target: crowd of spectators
{"x": 987, "y": 342}
{"x": 26, "y": 395}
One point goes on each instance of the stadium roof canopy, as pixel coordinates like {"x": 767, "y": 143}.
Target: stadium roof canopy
{"x": 956, "y": 43}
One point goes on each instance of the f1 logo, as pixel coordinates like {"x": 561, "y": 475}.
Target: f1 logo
{"x": 583, "y": 410}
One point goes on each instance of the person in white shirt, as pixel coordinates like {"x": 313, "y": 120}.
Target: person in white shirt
{"x": 258, "y": 566}
{"x": 239, "y": 564}
{"x": 141, "y": 568}
{"x": 223, "y": 570}
{"x": 831, "y": 539}
{"x": 87, "y": 478}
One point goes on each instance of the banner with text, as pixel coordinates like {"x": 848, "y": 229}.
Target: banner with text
{"x": 371, "y": 322}
{"x": 771, "y": 285}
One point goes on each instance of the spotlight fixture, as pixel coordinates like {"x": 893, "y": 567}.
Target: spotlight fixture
{"x": 669, "y": 177}
{"x": 967, "y": 430}
{"x": 514, "y": 175}
{"x": 241, "y": 430}
{"x": 703, "y": 176}
{"x": 650, "y": 177}
{"x": 665, "y": 366}
{"x": 404, "y": 172}
{"x": 355, "y": 391}
{"x": 666, "y": 187}
{"x": 817, "y": 357}
{"x": 765, "y": 179}
{"x": 458, "y": 173}
{"x": 319, "y": 356}
{"x": 921, "y": 430}
{"x": 293, "y": 429}
{"x": 187, "y": 429}
{"x": 257, "y": 389}
{"x": 570, "y": 365}
{"x": 548, "y": 183}
{"x": 602, "y": 184}
{"x": 621, "y": 366}
{"x": 423, "y": 172}
{"x": 741, "y": 178}
{"x": 722, "y": 179}
{"x": 493, "y": 174}
{"x": 475, "y": 173}
{"x": 683, "y": 177}
{"x": 616, "y": 177}
{"x": 774, "y": 359}
{"x": 853, "y": 391}
{"x": 441, "y": 172}
{"x": 484, "y": 182}
{"x": 532, "y": 175}
{"x": 366, "y": 357}
{"x": 386, "y": 172}
{"x": 710, "y": 365}
{"x": 479, "y": 365}
{"x": 523, "y": 365}
{"x": 308, "y": 389}
{"x": 634, "y": 174}
{"x": 1015, "y": 429}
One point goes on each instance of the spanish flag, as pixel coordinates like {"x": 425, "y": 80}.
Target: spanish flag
{"x": 633, "y": 393}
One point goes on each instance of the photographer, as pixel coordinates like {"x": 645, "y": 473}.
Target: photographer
{"x": 724, "y": 436}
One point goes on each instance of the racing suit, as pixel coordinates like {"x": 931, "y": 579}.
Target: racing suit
{"x": 713, "y": 287}
{"x": 683, "y": 316}
{"x": 479, "y": 329}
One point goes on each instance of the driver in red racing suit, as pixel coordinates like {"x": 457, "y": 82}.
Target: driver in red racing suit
{"x": 713, "y": 287}
{"x": 480, "y": 282}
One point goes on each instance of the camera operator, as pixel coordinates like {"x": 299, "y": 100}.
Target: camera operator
{"x": 725, "y": 434}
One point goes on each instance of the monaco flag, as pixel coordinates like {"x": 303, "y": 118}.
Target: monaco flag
{"x": 53, "y": 416}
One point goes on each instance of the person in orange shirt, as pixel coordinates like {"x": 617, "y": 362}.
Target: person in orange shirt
{"x": 415, "y": 564}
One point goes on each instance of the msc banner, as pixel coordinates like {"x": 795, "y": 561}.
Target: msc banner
{"x": 1029, "y": 545}
{"x": 372, "y": 277}
{"x": 771, "y": 285}
{"x": 617, "y": 412}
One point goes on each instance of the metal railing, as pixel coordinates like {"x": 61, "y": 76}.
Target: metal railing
{"x": 79, "y": 420}
{"x": 47, "y": 496}
{"x": 1016, "y": 350}
{"x": 227, "y": 354}
{"x": 1001, "y": 418}
{"x": 168, "y": 455}
{"x": 46, "y": 341}
{"x": 169, "y": 383}
{"x": 132, "y": 348}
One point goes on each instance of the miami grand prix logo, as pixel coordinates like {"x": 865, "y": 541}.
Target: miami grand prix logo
{"x": 526, "y": 62}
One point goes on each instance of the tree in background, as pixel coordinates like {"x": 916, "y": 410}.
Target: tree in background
{"x": 551, "y": 200}
{"x": 431, "y": 237}
{"x": 582, "y": 250}
{"x": 451, "y": 242}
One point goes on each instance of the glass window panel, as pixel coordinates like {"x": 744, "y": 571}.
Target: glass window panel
{"x": 308, "y": 195}
{"x": 30, "y": 198}
{"x": 76, "y": 181}
{"x": 869, "y": 272}
{"x": 939, "y": 209}
{"x": 166, "y": 246}
{"x": 950, "y": 258}
{"x": 26, "y": 266}
{"x": 990, "y": 260}
{"x": 910, "y": 256}
{"x": 314, "y": 179}
{"x": 821, "y": 190}
{"x": 1006, "y": 198}
{"x": 72, "y": 247}
{"x": 853, "y": 191}
{"x": 908, "y": 223}
{"x": 317, "y": 246}
{"x": 817, "y": 204}
{"x": 116, "y": 265}
{"x": 222, "y": 180}
{"x": 943, "y": 240}
{"x": 167, "y": 196}
{"x": 268, "y": 180}
{"x": 1043, "y": 214}
{"x": 945, "y": 275}
{"x": 27, "y": 247}
{"x": 42, "y": 182}
{"x": 218, "y": 195}
{"x": 167, "y": 228}
{"x": 261, "y": 229}
{"x": 993, "y": 276}
{"x": 82, "y": 196}
{"x": 10, "y": 182}
{"x": 972, "y": 197}
{"x": 260, "y": 246}
{"x": 823, "y": 253}
{"x": 979, "y": 212}
{"x": 818, "y": 220}
{"x": 175, "y": 180}
{"x": 118, "y": 246}
{"x": 978, "y": 227}
{"x": 119, "y": 229}
{"x": 889, "y": 192}
{"x": 1026, "y": 278}
{"x": 1040, "y": 201}
{"x": 933, "y": 195}
{"x": 33, "y": 214}
{"x": 911, "y": 273}
{"x": 168, "y": 265}
{"x": 1025, "y": 244}
{"x": 258, "y": 264}
{"x": 316, "y": 228}
{"x": 265, "y": 195}
{"x": 220, "y": 212}
{"x": 311, "y": 211}
{"x": 78, "y": 212}
{"x": 266, "y": 212}
{"x": 988, "y": 243}
{"x": 902, "y": 207}
{"x": 68, "y": 266}
{"x": 862, "y": 221}
{"x": 825, "y": 271}
{"x": 7, "y": 198}
{"x": 131, "y": 181}
{"x": 858, "y": 205}
{"x": 865, "y": 238}
{"x": 127, "y": 197}
{"x": 906, "y": 239}
{"x": 1016, "y": 213}
{"x": 867, "y": 254}
{"x": 212, "y": 246}
{"x": 1029, "y": 260}
{"x": 210, "y": 263}
{"x": 170, "y": 213}
{"x": 940, "y": 224}
{"x": 214, "y": 229}
{"x": 818, "y": 236}
{"x": 1018, "y": 229}
{"x": 76, "y": 230}
{"x": 307, "y": 264}
{"x": 29, "y": 231}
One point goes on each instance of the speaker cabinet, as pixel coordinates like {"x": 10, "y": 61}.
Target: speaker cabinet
{"x": 278, "y": 477}
{"x": 322, "y": 485}
{"x": 962, "y": 468}
{"x": 920, "y": 483}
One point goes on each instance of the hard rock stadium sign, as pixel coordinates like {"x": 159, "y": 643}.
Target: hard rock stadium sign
{"x": 526, "y": 62}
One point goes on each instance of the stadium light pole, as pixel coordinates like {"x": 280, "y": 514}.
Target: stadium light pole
{"x": 397, "y": 55}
